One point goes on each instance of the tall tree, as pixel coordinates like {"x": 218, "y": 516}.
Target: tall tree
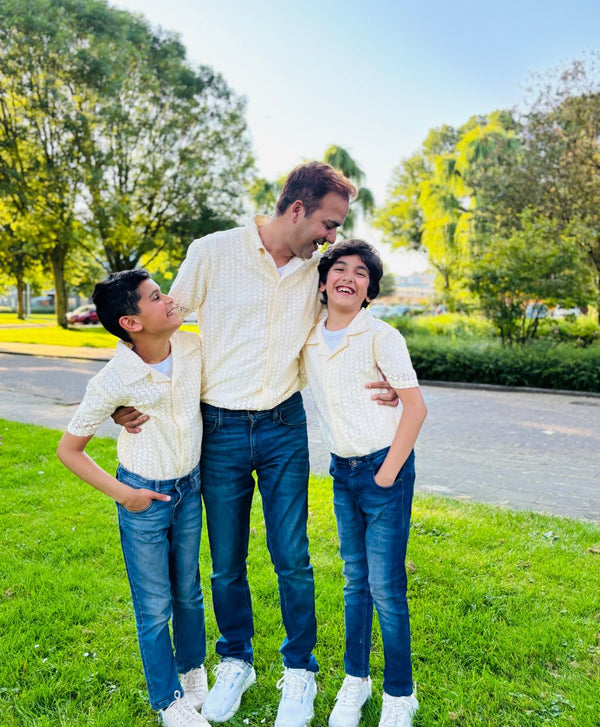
{"x": 563, "y": 152}
{"x": 123, "y": 138}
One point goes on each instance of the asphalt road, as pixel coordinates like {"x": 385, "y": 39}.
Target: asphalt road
{"x": 520, "y": 449}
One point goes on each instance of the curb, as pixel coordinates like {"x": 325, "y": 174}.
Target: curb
{"x": 498, "y": 387}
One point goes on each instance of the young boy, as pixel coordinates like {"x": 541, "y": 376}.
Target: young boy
{"x": 157, "y": 484}
{"x": 372, "y": 465}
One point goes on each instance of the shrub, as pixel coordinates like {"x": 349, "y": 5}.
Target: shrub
{"x": 538, "y": 364}
{"x": 446, "y": 324}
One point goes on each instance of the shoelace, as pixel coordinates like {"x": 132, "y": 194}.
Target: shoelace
{"x": 226, "y": 673}
{"x": 186, "y": 714}
{"x": 350, "y": 693}
{"x": 292, "y": 686}
{"x": 395, "y": 708}
{"x": 194, "y": 679}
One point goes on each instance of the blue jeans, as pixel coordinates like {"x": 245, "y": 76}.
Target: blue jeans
{"x": 274, "y": 444}
{"x": 373, "y": 526}
{"x": 160, "y": 546}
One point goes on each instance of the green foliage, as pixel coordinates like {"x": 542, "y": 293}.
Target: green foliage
{"x": 110, "y": 142}
{"x": 539, "y": 364}
{"x": 538, "y": 262}
{"x": 503, "y": 608}
{"x": 453, "y": 325}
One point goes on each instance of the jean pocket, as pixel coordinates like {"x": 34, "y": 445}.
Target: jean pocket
{"x": 137, "y": 512}
{"x": 210, "y": 423}
{"x": 385, "y": 487}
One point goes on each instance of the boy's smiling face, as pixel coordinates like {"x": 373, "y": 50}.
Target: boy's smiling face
{"x": 156, "y": 310}
{"x": 347, "y": 284}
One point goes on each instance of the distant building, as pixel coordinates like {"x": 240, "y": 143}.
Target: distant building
{"x": 415, "y": 289}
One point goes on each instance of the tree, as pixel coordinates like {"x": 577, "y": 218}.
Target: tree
{"x": 387, "y": 284}
{"x": 364, "y": 201}
{"x": 108, "y": 138}
{"x": 563, "y": 153}
{"x": 533, "y": 264}
{"x": 168, "y": 143}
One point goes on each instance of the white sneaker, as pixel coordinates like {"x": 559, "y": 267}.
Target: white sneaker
{"x": 180, "y": 713}
{"x": 353, "y": 693}
{"x": 234, "y": 676}
{"x": 298, "y": 690}
{"x": 195, "y": 686}
{"x": 398, "y": 711}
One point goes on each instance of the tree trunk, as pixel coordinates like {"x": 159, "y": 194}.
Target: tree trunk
{"x": 20, "y": 304}
{"x": 57, "y": 257}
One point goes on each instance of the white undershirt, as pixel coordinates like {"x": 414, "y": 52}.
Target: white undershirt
{"x": 333, "y": 338}
{"x": 165, "y": 367}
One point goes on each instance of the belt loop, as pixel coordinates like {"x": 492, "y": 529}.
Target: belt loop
{"x": 220, "y": 419}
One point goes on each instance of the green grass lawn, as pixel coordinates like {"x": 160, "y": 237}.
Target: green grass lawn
{"x": 42, "y": 328}
{"x": 504, "y": 608}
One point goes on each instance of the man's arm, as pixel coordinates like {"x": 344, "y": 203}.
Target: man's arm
{"x": 71, "y": 453}
{"x": 413, "y": 415}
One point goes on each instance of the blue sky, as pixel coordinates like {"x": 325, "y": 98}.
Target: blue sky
{"x": 372, "y": 77}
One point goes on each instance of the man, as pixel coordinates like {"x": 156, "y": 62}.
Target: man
{"x": 255, "y": 292}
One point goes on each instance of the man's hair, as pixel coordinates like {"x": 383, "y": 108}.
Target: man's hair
{"x": 116, "y": 296}
{"x": 310, "y": 183}
{"x": 366, "y": 252}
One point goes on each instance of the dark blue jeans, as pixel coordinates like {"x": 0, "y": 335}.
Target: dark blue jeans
{"x": 274, "y": 444}
{"x": 373, "y": 526}
{"x": 160, "y": 547}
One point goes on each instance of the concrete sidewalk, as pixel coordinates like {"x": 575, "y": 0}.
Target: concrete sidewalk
{"x": 537, "y": 451}
{"x": 37, "y": 349}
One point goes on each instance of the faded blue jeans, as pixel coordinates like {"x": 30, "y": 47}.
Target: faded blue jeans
{"x": 373, "y": 526}
{"x": 274, "y": 444}
{"x": 160, "y": 546}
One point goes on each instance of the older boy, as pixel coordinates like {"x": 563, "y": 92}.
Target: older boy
{"x": 157, "y": 483}
{"x": 372, "y": 465}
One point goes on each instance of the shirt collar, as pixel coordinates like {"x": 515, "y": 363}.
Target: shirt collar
{"x": 359, "y": 324}
{"x": 132, "y": 368}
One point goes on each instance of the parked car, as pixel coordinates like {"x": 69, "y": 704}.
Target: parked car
{"x": 85, "y": 315}
{"x": 560, "y": 312}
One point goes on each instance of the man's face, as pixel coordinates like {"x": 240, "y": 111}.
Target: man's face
{"x": 319, "y": 227}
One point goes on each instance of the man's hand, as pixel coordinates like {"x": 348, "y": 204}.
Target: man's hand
{"x": 130, "y": 418}
{"x": 387, "y": 397}
{"x": 139, "y": 500}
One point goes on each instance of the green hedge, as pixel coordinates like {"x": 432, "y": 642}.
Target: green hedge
{"x": 537, "y": 364}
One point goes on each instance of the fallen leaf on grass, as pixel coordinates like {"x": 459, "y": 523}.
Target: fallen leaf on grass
{"x": 594, "y": 550}
{"x": 411, "y": 567}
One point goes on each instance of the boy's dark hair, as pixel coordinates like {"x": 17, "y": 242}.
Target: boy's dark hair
{"x": 366, "y": 252}
{"x": 310, "y": 183}
{"x": 118, "y": 296}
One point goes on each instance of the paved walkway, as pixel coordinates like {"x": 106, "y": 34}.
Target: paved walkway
{"x": 521, "y": 449}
